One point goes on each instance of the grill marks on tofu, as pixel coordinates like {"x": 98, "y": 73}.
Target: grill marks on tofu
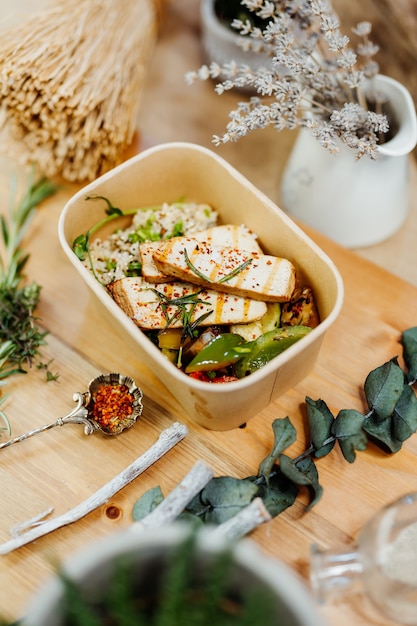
{"x": 227, "y": 235}
{"x": 267, "y": 278}
{"x": 215, "y": 253}
{"x": 150, "y": 270}
{"x": 139, "y": 300}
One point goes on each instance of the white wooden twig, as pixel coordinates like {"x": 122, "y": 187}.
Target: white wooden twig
{"x": 30, "y": 523}
{"x": 245, "y": 521}
{"x": 176, "y": 501}
{"x": 165, "y": 513}
{"x": 172, "y": 506}
{"x": 166, "y": 440}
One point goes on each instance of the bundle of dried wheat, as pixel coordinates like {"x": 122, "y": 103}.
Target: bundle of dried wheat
{"x": 70, "y": 83}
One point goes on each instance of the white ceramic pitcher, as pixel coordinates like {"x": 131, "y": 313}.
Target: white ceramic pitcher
{"x": 356, "y": 203}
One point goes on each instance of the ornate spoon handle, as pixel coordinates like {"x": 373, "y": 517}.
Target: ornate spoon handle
{"x": 118, "y": 402}
{"x": 77, "y": 416}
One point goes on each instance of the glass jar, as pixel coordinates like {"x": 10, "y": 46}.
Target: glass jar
{"x": 382, "y": 563}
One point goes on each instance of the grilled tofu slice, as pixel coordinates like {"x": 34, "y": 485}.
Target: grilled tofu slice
{"x": 139, "y": 300}
{"x": 228, "y": 235}
{"x": 150, "y": 271}
{"x": 265, "y": 277}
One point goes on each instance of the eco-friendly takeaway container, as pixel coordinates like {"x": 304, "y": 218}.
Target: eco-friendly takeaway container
{"x": 176, "y": 170}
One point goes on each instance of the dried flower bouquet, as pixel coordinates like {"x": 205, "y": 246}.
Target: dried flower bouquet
{"x": 317, "y": 80}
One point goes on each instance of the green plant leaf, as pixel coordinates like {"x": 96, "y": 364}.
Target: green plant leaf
{"x": 409, "y": 342}
{"x": 193, "y": 520}
{"x": 347, "y": 428}
{"x": 404, "y": 417}
{"x": 383, "y": 387}
{"x": 381, "y": 432}
{"x": 120, "y": 599}
{"x": 320, "y": 420}
{"x": 6, "y": 350}
{"x": 284, "y": 435}
{"x": 80, "y": 245}
{"x": 147, "y": 503}
{"x": 222, "y": 498}
{"x": 76, "y": 606}
{"x": 111, "y": 209}
{"x": 4, "y": 418}
{"x": 302, "y": 473}
{"x": 4, "y": 230}
{"x": 279, "y": 494}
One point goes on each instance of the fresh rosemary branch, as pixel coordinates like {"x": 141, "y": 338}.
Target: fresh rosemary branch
{"x": 185, "y": 309}
{"x": 20, "y": 337}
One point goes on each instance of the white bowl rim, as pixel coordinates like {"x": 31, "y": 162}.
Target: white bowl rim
{"x": 280, "y": 577}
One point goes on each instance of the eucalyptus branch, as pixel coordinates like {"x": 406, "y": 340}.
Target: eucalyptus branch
{"x": 390, "y": 419}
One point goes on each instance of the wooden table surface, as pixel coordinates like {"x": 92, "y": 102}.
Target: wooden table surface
{"x": 62, "y": 467}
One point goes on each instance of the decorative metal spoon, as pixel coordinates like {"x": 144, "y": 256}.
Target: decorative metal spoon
{"x": 112, "y": 404}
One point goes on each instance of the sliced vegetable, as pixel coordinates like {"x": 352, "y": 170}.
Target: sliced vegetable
{"x": 301, "y": 310}
{"x": 219, "y": 353}
{"x": 192, "y": 348}
{"x": 170, "y": 339}
{"x": 253, "y": 330}
{"x": 267, "y": 347}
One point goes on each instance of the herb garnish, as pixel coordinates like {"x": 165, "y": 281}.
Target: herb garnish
{"x": 185, "y": 309}
{"x": 391, "y": 418}
{"x": 20, "y": 337}
{"x": 224, "y": 279}
{"x": 81, "y": 244}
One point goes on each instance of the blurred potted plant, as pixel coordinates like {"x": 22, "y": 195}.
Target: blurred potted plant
{"x": 171, "y": 576}
{"x": 333, "y": 94}
{"x": 222, "y": 43}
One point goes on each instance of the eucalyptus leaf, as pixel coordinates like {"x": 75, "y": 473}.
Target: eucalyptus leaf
{"x": 320, "y": 420}
{"x": 404, "y": 418}
{"x": 284, "y": 435}
{"x": 383, "y": 387}
{"x": 147, "y": 503}
{"x": 302, "y": 473}
{"x": 409, "y": 342}
{"x": 347, "y": 428}
{"x": 381, "y": 432}
{"x": 279, "y": 494}
{"x": 192, "y": 520}
{"x": 222, "y": 498}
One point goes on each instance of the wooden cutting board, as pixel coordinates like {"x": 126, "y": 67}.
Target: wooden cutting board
{"x": 62, "y": 467}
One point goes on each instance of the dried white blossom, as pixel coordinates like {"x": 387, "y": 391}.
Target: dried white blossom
{"x": 363, "y": 29}
{"x": 316, "y": 78}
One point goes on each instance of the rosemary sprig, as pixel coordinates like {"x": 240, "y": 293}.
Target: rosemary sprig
{"x": 225, "y": 278}
{"x": 186, "y": 306}
{"x": 20, "y": 337}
